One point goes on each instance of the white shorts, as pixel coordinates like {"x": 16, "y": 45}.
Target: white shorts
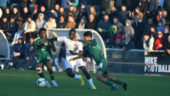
{"x": 71, "y": 64}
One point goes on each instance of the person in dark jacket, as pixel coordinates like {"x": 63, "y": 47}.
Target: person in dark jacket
{"x": 123, "y": 15}
{"x": 62, "y": 55}
{"x": 104, "y": 27}
{"x": 4, "y": 26}
{"x": 167, "y": 47}
{"x": 13, "y": 28}
{"x": 18, "y": 53}
{"x": 91, "y": 23}
{"x": 61, "y": 23}
{"x": 30, "y": 56}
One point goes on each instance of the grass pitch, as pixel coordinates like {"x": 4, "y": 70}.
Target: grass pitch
{"x": 23, "y": 83}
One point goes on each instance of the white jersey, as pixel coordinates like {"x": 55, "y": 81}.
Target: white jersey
{"x": 74, "y": 46}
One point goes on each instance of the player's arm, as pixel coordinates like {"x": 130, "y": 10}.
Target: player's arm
{"x": 88, "y": 42}
{"x": 78, "y": 57}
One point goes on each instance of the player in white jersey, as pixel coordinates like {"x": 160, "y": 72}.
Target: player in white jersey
{"x": 74, "y": 48}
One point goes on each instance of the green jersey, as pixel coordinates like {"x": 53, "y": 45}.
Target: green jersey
{"x": 97, "y": 54}
{"x": 95, "y": 51}
{"x": 43, "y": 51}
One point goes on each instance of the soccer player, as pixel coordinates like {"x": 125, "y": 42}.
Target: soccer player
{"x": 97, "y": 54}
{"x": 43, "y": 46}
{"x": 74, "y": 49}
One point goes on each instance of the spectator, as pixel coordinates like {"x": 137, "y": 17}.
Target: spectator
{"x": 30, "y": 55}
{"x": 92, "y": 10}
{"x": 137, "y": 13}
{"x": 51, "y": 23}
{"x": 32, "y": 5}
{"x": 40, "y": 22}
{"x": 73, "y": 2}
{"x": 62, "y": 12}
{"x": 117, "y": 24}
{"x": 61, "y": 23}
{"x": 119, "y": 40}
{"x": 70, "y": 23}
{"x": 29, "y": 28}
{"x": 82, "y": 23}
{"x": 128, "y": 35}
{"x": 118, "y": 4}
{"x": 148, "y": 25}
{"x": 18, "y": 53}
{"x": 160, "y": 27}
{"x": 51, "y": 4}
{"x": 5, "y": 27}
{"x": 86, "y": 4}
{"x": 7, "y": 13}
{"x": 73, "y": 10}
{"x": 143, "y": 5}
{"x": 44, "y": 11}
{"x": 91, "y": 23}
{"x": 165, "y": 35}
{"x": 114, "y": 13}
{"x": 123, "y": 15}
{"x": 167, "y": 46}
{"x": 22, "y": 3}
{"x": 64, "y": 4}
{"x": 16, "y": 13}
{"x": 13, "y": 27}
{"x": 104, "y": 28}
{"x": 25, "y": 13}
{"x": 159, "y": 41}
{"x": 139, "y": 30}
{"x": 55, "y": 12}
{"x": 148, "y": 43}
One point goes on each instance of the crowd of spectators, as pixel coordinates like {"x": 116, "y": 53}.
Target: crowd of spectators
{"x": 121, "y": 23}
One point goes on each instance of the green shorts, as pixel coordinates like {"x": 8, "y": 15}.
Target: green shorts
{"x": 43, "y": 59}
{"x": 102, "y": 67}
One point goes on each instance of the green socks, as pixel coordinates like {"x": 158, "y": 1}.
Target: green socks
{"x": 52, "y": 76}
{"x": 109, "y": 83}
{"x": 118, "y": 82}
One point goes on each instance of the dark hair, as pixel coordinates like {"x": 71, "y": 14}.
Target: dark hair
{"x": 72, "y": 30}
{"x": 87, "y": 33}
{"x": 42, "y": 29}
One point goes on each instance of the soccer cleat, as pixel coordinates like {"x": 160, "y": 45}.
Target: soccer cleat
{"x": 93, "y": 87}
{"x": 81, "y": 81}
{"x": 114, "y": 88}
{"x": 54, "y": 83}
{"x": 48, "y": 84}
{"x": 124, "y": 85}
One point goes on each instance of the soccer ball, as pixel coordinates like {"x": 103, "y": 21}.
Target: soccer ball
{"x": 41, "y": 82}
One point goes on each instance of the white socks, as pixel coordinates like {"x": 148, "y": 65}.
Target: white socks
{"x": 90, "y": 82}
{"x": 77, "y": 76}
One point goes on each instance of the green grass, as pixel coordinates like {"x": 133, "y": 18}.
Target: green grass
{"x": 23, "y": 83}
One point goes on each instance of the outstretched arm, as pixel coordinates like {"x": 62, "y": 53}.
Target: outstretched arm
{"x": 88, "y": 42}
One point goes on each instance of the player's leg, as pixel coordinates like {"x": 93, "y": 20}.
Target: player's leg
{"x": 86, "y": 73}
{"x": 40, "y": 72}
{"x": 50, "y": 70}
{"x": 100, "y": 77}
{"x": 57, "y": 64}
{"x": 69, "y": 71}
{"x": 114, "y": 79}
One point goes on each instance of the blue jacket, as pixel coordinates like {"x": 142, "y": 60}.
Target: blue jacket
{"x": 29, "y": 53}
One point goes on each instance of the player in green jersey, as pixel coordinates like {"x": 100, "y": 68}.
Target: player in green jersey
{"x": 98, "y": 56}
{"x": 44, "y": 47}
